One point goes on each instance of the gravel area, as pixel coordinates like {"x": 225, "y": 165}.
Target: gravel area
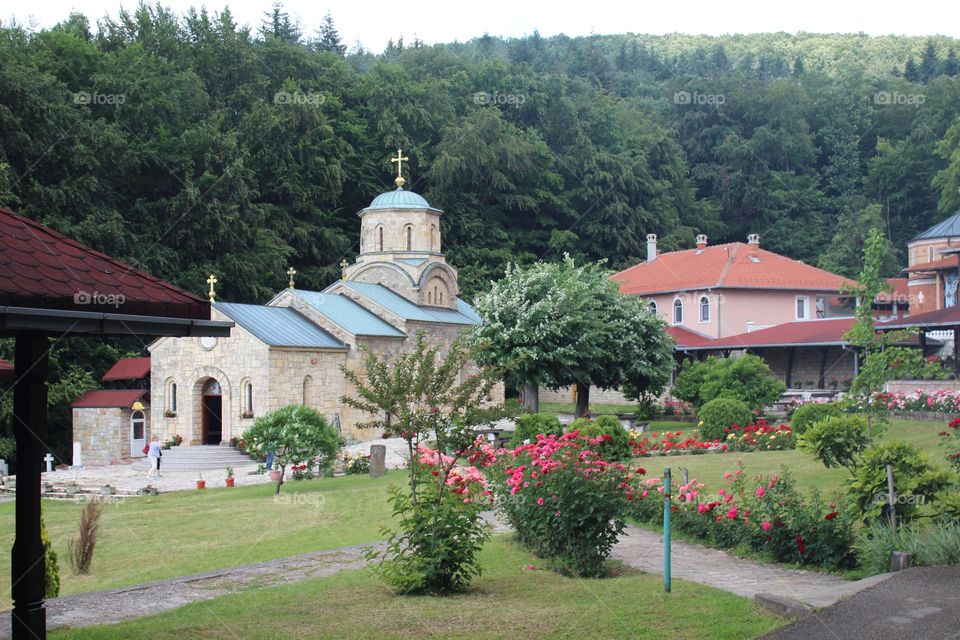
{"x": 133, "y": 476}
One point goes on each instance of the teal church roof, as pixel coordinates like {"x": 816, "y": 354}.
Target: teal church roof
{"x": 399, "y": 198}
{"x": 949, "y": 228}
{"x": 381, "y": 295}
{"x": 279, "y": 326}
{"x": 349, "y": 315}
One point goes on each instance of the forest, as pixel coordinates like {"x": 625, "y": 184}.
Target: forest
{"x": 188, "y": 145}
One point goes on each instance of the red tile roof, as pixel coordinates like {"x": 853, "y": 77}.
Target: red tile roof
{"x": 128, "y": 369}
{"x": 942, "y": 264}
{"x": 899, "y": 292}
{"x": 42, "y": 268}
{"x": 734, "y": 265}
{"x": 803, "y": 332}
{"x": 684, "y": 337}
{"x": 108, "y": 398}
{"x": 6, "y": 371}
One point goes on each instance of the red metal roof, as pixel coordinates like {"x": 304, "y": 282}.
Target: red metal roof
{"x": 128, "y": 369}
{"x": 686, "y": 338}
{"x": 941, "y": 318}
{"x": 6, "y": 371}
{"x": 108, "y": 398}
{"x": 734, "y": 265}
{"x": 803, "y": 332}
{"x": 942, "y": 264}
{"x": 42, "y": 268}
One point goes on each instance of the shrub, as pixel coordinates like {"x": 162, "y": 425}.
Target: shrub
{"x": 746, "y": 378}
{"x": 837, "y": 441}
{"x": 915, "y": 480}
{"x": 531, "y": 424}
{"x": 938, "y": 545}
{"x": 567, "y": 504}
{"x": 721, "y": 413}
{"x": 295, "y": 434}
{"x": 81, "y": 548}
{"x": 356, "y": 465}
{"x": 614, "y": 443}
{"x": 51, "y": 568}
{"x": 806, "y": 415}
{"x": 8, "y": 450}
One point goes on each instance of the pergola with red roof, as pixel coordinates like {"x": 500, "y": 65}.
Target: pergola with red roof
{"x": 53, "y": 286}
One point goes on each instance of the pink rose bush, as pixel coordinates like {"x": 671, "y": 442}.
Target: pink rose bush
{"x": 935, "y": 400}
{"x": 756, "y": 436}
{"x": 566, "y": 503}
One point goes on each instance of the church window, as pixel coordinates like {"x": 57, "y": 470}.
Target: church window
{"x": 678, "y": 311}
{"x": 429, "y": 297}
{"x": 408, "y": 232}
{"x": 433, "y": 238}
{"x": 171, "y": 396}
{"x": 308, "y": 391}
{"x": 930, "y": 254}
{"x": 704, "y": 309}
{"x": 379, "y": 238}
{"x": 246, "y": 398}
{"x": 653, "y": 306}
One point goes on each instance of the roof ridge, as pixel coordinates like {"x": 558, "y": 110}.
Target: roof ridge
{"x": 731, "y": 258}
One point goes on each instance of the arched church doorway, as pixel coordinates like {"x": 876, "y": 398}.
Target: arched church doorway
{"x": 212, "y": 410}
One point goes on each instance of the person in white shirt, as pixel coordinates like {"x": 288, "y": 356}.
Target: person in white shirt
{"x": 154, "y": 456}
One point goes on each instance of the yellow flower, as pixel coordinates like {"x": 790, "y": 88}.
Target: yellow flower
{"x": 700, "y": 424}
{"x": 773, "y": 437}
{"x": 731, "y": 436}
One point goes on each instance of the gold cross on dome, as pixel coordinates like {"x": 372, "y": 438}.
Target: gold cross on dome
{"x": 343, "y": 269}
{"x": 212, "y": 280}
{"x": 291, "y": 272}
{"x": 400, "y": 159}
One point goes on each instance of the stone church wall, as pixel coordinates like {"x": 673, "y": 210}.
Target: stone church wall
{"x": 103, "y": 434}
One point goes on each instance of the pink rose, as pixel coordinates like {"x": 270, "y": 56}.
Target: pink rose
{"x": 765, "y": 525}
{"x": 760, "y": 491}
{"x": 732, "y": 514}
{"x": 540, "y": 501}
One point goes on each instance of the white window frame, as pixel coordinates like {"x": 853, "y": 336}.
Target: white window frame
{"x": 700, "y": 308}
{"x": 673, "y": 317}
{"x": 816, "y": 307}
{"x": 806, "y": 307}
{"x": 653, "y": 307}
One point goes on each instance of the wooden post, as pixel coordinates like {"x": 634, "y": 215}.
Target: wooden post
{"x": 821, "y": 382}
{"x": 29, "y": 619}
{"x": 790, "y": 354}
{"x": 891, "y": 498}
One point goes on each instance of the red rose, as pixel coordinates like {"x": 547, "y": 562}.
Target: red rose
{"x": 830, "y": 516}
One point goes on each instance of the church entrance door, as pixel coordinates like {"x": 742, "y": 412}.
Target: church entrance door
{"x": 212, "y": 427}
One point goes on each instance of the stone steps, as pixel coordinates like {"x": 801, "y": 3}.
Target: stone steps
{"x": 200, "y": 457}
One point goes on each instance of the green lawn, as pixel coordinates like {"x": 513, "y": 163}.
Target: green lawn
{"x": 595, "y": 409}
{"x": 507, "y": 601}
{"x": 808, "y": 472}
{"x": 186, "y": 532}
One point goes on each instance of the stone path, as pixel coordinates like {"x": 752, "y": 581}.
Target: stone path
{"x": 111, "y": 607}
{"x": 643, "y": 550}
{"x": 131, "y": 476}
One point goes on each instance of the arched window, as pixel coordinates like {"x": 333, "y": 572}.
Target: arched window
{"x": 408, "y": 233}
{"x": 247, "y": 397}
{"x": 678, "y": 311}
{"x": 440, "y": 301}
{"x": 138, "y": 425}
{"x": 433, "y": 238}
{"x": 930, "y": 254}
{"x": 379, "y": 238}
{"x": 308, "y": 391}
{"x": 171, "y": 397}
{"x": 704, "y": 309}
{"x": 429, "y": 297}
{"x": 653, "y": 307}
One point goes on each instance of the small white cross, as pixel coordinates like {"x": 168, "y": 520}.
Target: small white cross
{"x": 49, "y": 460}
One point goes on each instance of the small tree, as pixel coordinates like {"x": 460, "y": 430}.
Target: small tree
{"x": 746, "y": 378}
{"x": 295, "y": 434}
{"x": 420, "y": 395}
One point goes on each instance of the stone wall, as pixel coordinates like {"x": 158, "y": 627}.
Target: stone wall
{"x": 104, "y": 434}
{"x": 909, "y": 386}
{"x": 597, "y": 396}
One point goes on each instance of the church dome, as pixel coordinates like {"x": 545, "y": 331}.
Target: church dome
{"x": 399, "y": 199}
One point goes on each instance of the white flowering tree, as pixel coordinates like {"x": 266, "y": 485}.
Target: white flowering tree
{"x": 557, "y": 324}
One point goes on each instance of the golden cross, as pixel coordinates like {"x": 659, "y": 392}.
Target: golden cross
{"x": 400, "y": 159}
{"x": 291, "y": 272}
{"x": 212, "y": 280}
{"x": 343, "y": 269}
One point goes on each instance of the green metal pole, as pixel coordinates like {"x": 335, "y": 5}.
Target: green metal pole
{"x": 666, "y": 529}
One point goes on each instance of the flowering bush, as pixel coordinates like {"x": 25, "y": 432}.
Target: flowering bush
{"x": 671, "y": 442}
{"x": 302, "y": 472}
{"x": 565, "y": 501}
{"x": 356, "y": 465}
{"x": 764, "y": 513}
{"x": 759, "y": 436}
{"x": 613, "y": 440}
{"x": 528, "y": 426}
{"x": 951, "y": 440}
{"x": 939, "y": 400}
{"x": 440, "y": 528}
{"x": 756, "y": 436}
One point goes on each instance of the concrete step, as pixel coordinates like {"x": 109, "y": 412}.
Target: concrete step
{"x": 199, "y": 457}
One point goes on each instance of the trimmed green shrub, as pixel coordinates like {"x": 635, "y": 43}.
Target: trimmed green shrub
{"x": 746, "y": 378}
{"x": 51, "y": 567}
{"x": 837, "y": 441}
{"x": 531, "y": 424}
{"x": 806, "y": 415}
{"x": 720, "y": 413}
{"x": 915, "y": 478}
{"x": 617, "y": 447}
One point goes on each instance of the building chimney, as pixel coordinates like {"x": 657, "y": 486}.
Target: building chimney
{"x": 651, "y": 247}
{"x": 754, "y": 240}
{"x": 702, "y": 241}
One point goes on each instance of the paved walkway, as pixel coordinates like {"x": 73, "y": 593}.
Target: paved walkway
{"x": 643, "y": 550}
{"x": 110, "y": 607}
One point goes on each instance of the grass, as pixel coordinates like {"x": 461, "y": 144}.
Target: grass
{"x": 507, "y": 601}
{"x": 595, "y": 409}
{"x": 806, "y": 470}
{"x": 181, "y": 533}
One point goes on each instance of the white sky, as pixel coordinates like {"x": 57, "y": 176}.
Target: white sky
{"x": 373, "y": 22}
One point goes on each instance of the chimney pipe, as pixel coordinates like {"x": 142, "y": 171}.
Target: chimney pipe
{"x": 651, "y": 247}
{"x": 702, "y": 241}
{"x": 753, "y": 240}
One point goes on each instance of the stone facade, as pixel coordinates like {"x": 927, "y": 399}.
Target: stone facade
{"x": 104, "y": 434}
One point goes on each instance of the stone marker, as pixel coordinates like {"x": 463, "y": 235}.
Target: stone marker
{"x": 378, "y": 460}
{"x": 4, "y": 469}
{"x": 77, "y": 456}
{"x": 49, "y": 460}
{"x": 900, "y": 561}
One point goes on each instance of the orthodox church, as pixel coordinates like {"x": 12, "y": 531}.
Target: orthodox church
{"x": 289, "y": 351}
